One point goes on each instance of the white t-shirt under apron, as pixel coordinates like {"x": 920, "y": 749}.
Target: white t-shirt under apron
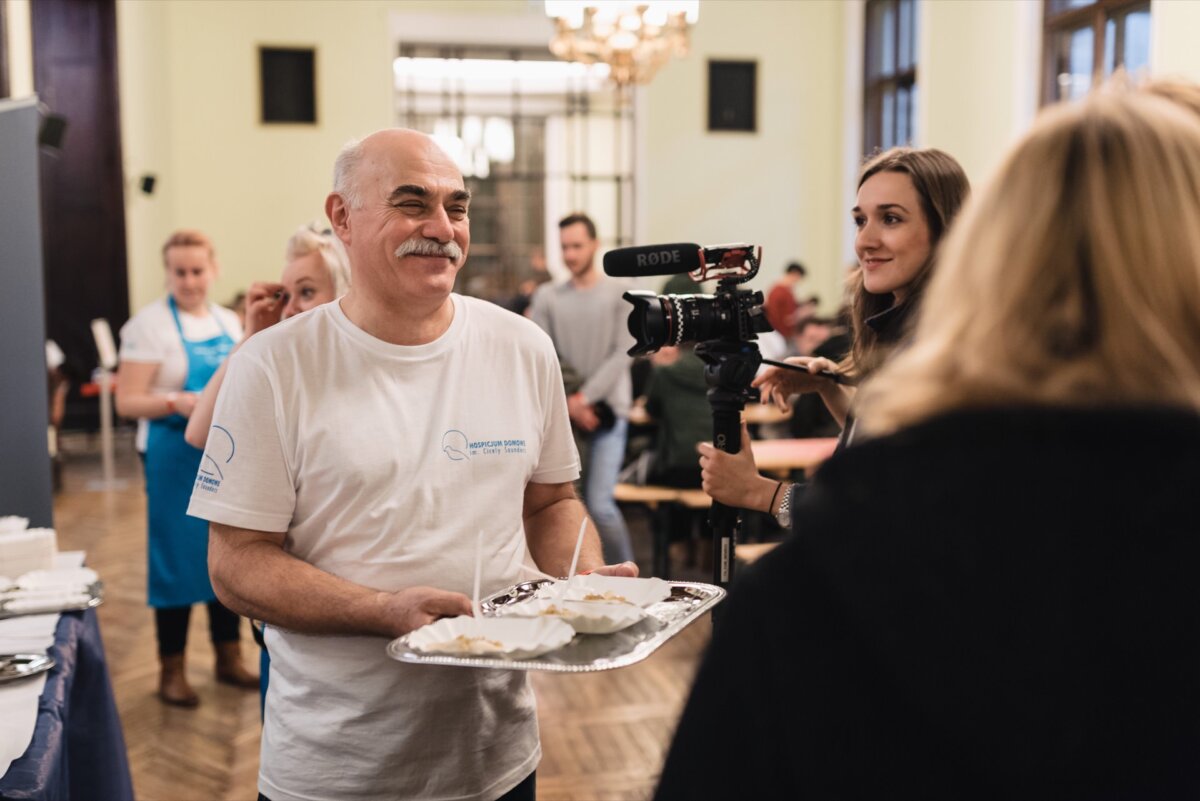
{"x": 382, "y": 463}
{"x": 151, "y": 336}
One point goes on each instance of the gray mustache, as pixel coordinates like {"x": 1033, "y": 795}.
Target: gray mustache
{"x": 419, "y": 246}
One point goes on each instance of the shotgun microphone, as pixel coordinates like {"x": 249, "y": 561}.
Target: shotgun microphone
{"x": 681, "y": 257}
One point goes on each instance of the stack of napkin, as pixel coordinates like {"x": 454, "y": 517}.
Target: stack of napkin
{"x": 25, "y": 549}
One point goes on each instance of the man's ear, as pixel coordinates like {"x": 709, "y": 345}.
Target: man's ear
{"x": 338, "y": 212}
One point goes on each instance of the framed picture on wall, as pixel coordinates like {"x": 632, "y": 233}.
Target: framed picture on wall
{"x": 288, "y": 84}
{"x": 733, "y": 96}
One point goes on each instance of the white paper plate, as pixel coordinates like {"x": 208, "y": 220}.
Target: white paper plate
{"x": 511, "y": 637}
{"x": 641, "y": 592}
{"x": 584, "y": 617}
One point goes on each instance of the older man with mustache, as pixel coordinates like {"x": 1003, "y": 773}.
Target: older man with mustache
{"x": 340, "y": 517}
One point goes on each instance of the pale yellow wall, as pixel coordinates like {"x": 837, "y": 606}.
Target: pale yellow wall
{"x": 779, "y": 187}
{"x": 977, "y": 77}
{"x": 19, "y": 38}
{"x": 146, "y": 142}
{"x": 1175, "y": 36}
{"x": 190, "y": 114}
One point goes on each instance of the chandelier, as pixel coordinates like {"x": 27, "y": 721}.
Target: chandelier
{"x": 633, "y": 37}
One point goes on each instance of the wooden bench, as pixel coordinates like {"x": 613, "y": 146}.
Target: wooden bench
{"x": 657, "y": 500}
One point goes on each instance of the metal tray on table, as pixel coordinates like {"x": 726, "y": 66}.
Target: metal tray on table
{"x": 586, "y": 653}
{"x": 22, "y": 666}
{"x": 94, "y": 593}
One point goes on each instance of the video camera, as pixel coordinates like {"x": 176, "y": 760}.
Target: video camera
{"x": 732, "y": 314}
{"x": 724, "y": 327}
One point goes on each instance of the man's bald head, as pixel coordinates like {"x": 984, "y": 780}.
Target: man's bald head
{"x": 401, "y": 143}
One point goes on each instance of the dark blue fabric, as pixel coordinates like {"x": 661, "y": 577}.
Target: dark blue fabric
{"x": 78, "y": 748}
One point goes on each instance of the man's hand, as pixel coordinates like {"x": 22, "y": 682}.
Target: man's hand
{"x": 420, "y": 606}
{"x": 264, "y": 306}
{"x": 626, "y": 569}
{"x": 581, "y": 412}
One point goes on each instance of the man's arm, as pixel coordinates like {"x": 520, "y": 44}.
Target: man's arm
{"x": 552, "y": 515}
{"x": 255, "y": 577}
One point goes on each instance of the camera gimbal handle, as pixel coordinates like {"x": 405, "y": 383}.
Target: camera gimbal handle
{"x": 729, "y": 369}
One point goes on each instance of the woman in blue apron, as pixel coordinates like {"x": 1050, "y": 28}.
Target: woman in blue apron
{"x": 169, "y": 351}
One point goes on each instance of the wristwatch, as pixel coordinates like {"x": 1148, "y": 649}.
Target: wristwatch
{"x": 784, "y": 515}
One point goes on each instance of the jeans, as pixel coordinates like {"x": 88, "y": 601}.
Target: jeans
{"x": 606, "y": 450}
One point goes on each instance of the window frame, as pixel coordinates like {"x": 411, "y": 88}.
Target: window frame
{"x": 1097, "y": 13}
{"x": 874, "y": 89}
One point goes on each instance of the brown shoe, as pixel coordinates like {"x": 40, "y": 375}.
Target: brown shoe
{"x": 230, "y": 669}
{"x": 173, "y": 687}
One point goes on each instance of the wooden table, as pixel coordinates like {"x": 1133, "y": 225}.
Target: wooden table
{"x": 778, "y": 456}
{"x": 754, "y": 414}
{"x": 785, "y": 455}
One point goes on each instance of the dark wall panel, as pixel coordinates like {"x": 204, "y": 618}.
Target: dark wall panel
{"x": 24, "y": 458}
{"x": 83, "y": 201}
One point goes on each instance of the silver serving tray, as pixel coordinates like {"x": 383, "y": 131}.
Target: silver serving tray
{"x": 22, "y": 666}
{"x": 586, "y": 653}
{"x": 95, "y": 593}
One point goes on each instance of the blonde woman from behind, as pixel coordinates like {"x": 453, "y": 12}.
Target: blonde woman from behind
{"x": 993, "y": 594}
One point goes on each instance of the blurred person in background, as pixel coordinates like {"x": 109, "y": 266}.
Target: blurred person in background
{"x": 169, "y": 350}
{"x": 781, "y": 307}
{"x": 316, "y": 270}
{"x": 586, "y": 318}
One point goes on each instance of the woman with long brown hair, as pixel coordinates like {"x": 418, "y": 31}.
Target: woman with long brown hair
{"x": 906, "y": 201}
{"x": 993, "y": 593}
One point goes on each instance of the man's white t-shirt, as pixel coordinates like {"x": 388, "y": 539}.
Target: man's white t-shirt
{"x": 151, "y": 336}
{"x": 382, "y": 463}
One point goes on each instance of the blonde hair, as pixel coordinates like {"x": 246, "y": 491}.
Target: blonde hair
{"x": 942, "y": 187}
{"x": 1073, "y": 280}
{"x": 1184, "y": 93}
{"x": 189, "y": 237}
{"x": 333, "y": 253}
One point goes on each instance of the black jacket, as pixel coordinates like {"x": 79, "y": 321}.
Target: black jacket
{"x": 988, "y": 605}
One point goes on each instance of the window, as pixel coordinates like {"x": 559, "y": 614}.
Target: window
{"x": 536, "y": 139}
{"x": 1088, "y": 40}
{"x": 890, "y": 74}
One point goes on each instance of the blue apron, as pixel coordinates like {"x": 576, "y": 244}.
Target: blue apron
{"x": 178, "y": 552}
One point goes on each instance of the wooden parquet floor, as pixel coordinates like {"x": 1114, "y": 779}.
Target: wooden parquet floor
{"x": 604, "y": 735}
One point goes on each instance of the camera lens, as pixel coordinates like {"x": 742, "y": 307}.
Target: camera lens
{"x": 649, "y": 321}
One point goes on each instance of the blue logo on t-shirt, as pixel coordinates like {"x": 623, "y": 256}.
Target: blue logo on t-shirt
{"x": 455, "y": 445}
{"x": 458, "y": 447}
{"x": 220, "y": 449}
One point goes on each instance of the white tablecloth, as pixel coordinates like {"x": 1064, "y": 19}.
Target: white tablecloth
{"x": 32, "y": 634}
